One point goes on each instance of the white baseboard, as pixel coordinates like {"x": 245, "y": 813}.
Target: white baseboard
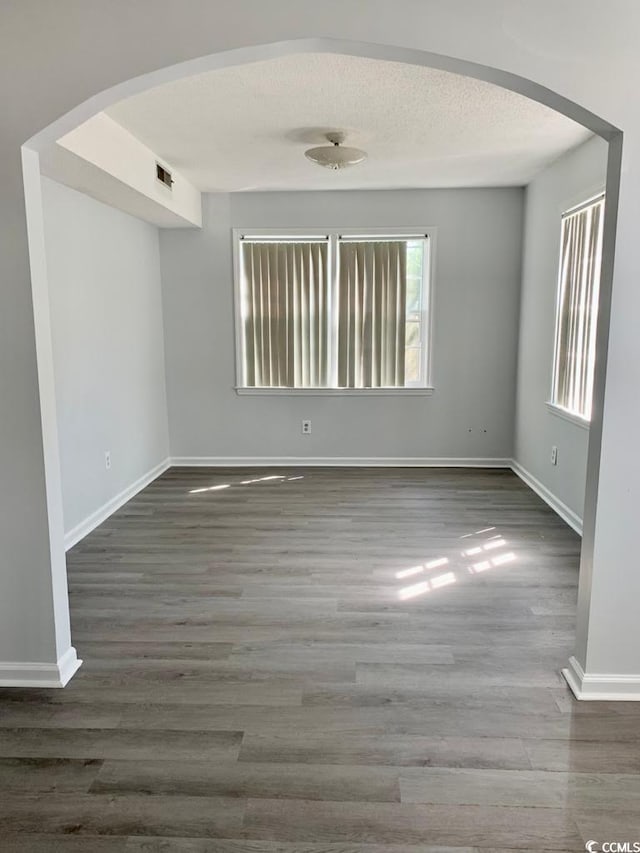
{"x": 608, "y": 688}
{"x": 338, "y": 462}
{"x": 567, "y": 514}
{"x": 96, "y": 518}
{"x": 40, "y": 674}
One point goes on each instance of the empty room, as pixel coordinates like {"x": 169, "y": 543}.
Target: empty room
{"x": 319, "y": 483}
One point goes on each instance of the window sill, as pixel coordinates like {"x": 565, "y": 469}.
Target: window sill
{"x": 559, "y": 412}
{"x": 335, "y": 392}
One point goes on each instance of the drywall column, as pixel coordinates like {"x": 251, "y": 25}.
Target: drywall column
{"x": 606, "y": 664}
{"x": 35, "y": 643}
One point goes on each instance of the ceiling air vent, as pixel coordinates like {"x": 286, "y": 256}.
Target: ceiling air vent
{"x": 164, "y": 175}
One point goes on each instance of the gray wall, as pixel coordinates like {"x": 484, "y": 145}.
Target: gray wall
{"x": 570, "y": 180}
{"x": 106, "y": 313}
{"x": 476, "y": 305}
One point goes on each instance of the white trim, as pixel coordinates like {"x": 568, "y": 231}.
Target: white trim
{"x": 565, "y": 512}
{"x": 73, "y": 536}
{"x": 411, "y": 391}
{"x": 238, "y": 332}
{"x": 333, "y": 235}
{"x": 318, "y": 232}
{"x": 91, "y": 522}
{"x": 40, "y": 674}
{"x": 429, "y": 284}
{"x": 566, "y": 415}
{"x": 601, "y": 687}
{"x": 591, "y": 201}
{"x": 338, "y": 462}
{"x": 570, "y": 202}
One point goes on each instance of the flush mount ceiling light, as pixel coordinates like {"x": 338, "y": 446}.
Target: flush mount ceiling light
{"x": 336, "y": 155}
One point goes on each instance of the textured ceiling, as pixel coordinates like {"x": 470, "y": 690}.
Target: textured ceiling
{"x": 246, "y": 128}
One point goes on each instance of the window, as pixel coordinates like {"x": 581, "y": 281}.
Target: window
{"x": 332, "y": 311}
{"x": 577, "y": 309}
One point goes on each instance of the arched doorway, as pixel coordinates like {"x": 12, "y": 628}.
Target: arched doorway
{"x": 255, "y": 53}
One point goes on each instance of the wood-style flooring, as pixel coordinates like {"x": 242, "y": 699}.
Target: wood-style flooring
{"x": 321, "y": 661}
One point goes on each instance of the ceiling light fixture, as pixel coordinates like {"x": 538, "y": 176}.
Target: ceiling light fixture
{"x": 335, "y": 156}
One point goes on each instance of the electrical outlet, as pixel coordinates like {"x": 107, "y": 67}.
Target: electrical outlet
{"x": 107, "y": 459}
{"x": 554, "y": 455}
{"x": 306, "y": 427}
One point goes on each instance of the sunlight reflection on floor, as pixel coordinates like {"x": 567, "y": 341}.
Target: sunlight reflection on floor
{"x": 494, "y": 542}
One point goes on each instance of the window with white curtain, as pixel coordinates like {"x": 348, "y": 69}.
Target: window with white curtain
{"x": 334, "y": 311}
{"x": 577, "y": 308}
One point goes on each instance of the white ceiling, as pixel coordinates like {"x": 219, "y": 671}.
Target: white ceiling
{"x": 246, "y": 128}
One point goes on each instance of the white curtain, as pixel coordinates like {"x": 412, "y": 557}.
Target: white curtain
{"x": 577, "y": 308}
{"x": 285, "y": 313}
{"x": 372, "y": 307}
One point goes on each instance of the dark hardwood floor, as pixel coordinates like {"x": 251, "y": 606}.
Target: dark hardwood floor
{"x": 321, "y": 661}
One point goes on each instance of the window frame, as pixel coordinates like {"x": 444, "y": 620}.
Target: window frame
{"x": 427, "y": 233}
{"x": 579, "y": 203}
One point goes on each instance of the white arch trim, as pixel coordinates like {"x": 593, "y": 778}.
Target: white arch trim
{"x": 260, "y": 52}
